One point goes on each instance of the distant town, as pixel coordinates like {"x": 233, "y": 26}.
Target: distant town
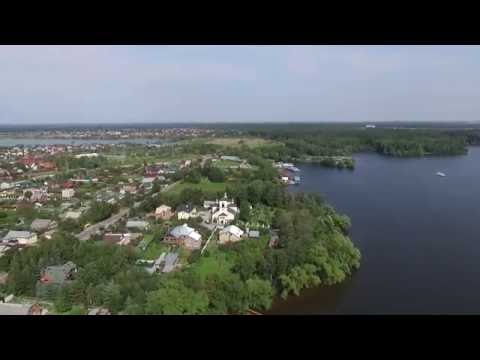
{"x": 109, "y": 134}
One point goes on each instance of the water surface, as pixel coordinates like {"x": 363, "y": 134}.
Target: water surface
{"x": 419, "y": 235}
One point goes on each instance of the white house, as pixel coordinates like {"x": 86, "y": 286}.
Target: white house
{"x": 148, "y": 181}
{"x": 231, "y": 233}
{"x": 222, "y": 212}
{"x": 67, "y": 194}
{"x": 75, "y": 215}
{"x": 137, "y": 224}
{"x": 186, "y": 212}
{"x": 20, "y": 237}
{"x": 87, "y": 155}
{"x": 5, "y": 186}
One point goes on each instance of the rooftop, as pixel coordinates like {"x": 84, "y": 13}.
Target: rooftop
{"x": 234, "y": 230}
{"x": 14, "y": 309}
{"x": 13, "y": 235}
{"x": 185, "y": 230}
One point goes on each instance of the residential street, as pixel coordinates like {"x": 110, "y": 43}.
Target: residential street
{"x": 91, "y": 230}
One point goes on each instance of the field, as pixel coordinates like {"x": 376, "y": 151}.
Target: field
{"x": 204, "y": 185}
{"x": 217, "y": 263}
{"x": 137, "y": 158}
{"x": 239, "y": 141}
{"x": 225, "y": 164}
{"x": 154, "y": 249}
{"x": 8, "y": 218}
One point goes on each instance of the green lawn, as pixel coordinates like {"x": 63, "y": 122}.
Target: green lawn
{"x": 239, "y": 141}
{"x": 9, "y": 220}
{"x": 215, "y": 263}
{"x": 154, "y": 249}
{"x": 226, "y": 164}
{"x": 204, "y": 185}
{"x": 164, "y": 156}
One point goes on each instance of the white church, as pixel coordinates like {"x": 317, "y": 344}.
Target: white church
{"x": 222, "y": 212}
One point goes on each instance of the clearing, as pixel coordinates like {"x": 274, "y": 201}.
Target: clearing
{"x": 204, "y": 185}
{"x": 239, "y": 141}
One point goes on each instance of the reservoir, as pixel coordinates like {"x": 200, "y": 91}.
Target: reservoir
{"x": 419, "y": 235}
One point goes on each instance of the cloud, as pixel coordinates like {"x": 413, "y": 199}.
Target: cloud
{"x": 63, "y": 84}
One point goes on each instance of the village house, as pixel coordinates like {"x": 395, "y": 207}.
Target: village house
{"x": 222, "y": 212}
{"x": 99, "y": 311}
{"x": 131, "y": 189}
{"x": 187, "y": 211}
{"x": 284, "y": 179}
{"x": 153, "y": 170}
{"x": 253, "y": 234}
{"x": 171, "y": 261}
{"x": 58, "y": 274}
{"x": 69, "y": 184}
{"x": 147, "y": 182}
{"x": 74, "y": 215}
{"x": 67, "y": 194}
{"x": 6, "y": 186}
{"x": 5, "y": 174}
{"x": 137, "y": 224}
{"x": 20, "y": 237}
{"x": 21, "y": 309}
{"x": 163, "y": 212}
{"x": 86, "y": 155}
{"x": 231, "y": 233}
{"x": 156, "y": 263}
{"x": 46, "y": 165}
{"x": 41, "y": 225}
{"x": 9, "y": 195}
{"x": 54, "y": 277}
{"x": 29, "y": 162}
{"x": 120, "y": 238}
{"x": 185, "y": 163}
{"x": 274, "y": 239}
{"x": 111, "y": 238}
{"x": 184, "y": 236}
{"x": 35, "y": 195}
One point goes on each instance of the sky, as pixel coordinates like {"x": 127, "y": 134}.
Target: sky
{"x": 155, "y": 84}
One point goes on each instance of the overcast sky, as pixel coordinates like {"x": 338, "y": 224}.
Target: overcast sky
{"x": 138, "y": 84}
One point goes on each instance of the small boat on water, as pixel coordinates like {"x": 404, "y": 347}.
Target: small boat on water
{"x": 441, "y": 174}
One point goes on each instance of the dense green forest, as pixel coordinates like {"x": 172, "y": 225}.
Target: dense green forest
{"x": 322, "y": 140}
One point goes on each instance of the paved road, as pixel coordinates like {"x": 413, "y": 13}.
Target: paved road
{"x": 91, "y": 230}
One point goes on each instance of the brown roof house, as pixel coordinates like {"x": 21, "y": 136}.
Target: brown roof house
{"x": 231, "y": 233}
{"x": 163, "y": 212}
{"x": 184, "y": 236}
